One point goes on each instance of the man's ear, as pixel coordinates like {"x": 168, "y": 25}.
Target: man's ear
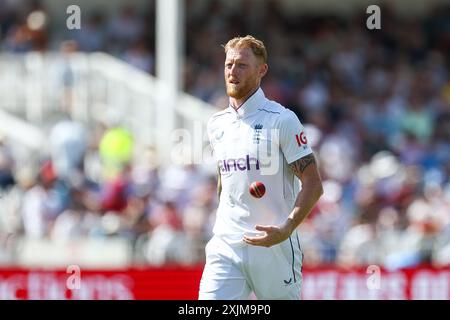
{"x": 263, "y": 69}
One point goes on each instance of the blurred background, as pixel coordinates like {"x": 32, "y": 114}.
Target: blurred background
{"x": 105, "y": 164}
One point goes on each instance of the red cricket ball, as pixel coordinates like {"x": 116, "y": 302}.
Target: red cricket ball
{"x": 257, "y": 189}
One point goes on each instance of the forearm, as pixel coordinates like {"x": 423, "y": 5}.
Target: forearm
{"x": 305, "y": 202}
{"x": 306, "y": 170}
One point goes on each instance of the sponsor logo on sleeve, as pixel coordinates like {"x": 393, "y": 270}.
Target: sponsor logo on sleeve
{"x": 301, "y": 140}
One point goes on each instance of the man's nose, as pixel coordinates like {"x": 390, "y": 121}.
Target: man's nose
{"x": 233, "y": 70}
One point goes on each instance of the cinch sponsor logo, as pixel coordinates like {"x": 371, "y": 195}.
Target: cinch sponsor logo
{"x": 240, "y": 164}
{"x": 301, "y": 139}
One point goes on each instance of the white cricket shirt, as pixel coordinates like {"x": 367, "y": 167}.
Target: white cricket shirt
{"x": 255, "y": 143}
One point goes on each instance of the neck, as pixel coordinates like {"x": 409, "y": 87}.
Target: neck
{"x": 237, "y": 103}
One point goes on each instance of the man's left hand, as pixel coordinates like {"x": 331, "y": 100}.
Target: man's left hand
{"x": 274, "y": 235}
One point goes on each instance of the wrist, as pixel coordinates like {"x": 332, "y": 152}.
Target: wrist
{"x": 289, "y": 226}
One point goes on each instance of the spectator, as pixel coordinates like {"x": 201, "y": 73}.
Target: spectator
{"x": 68, "y": 144}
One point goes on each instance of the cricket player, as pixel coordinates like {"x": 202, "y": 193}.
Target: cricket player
{"x": 255, "y": 247}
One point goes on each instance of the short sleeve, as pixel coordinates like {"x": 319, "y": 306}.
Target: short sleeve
{"x": 293, "y": 139}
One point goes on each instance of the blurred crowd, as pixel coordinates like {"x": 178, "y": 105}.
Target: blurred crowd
{"x": 26, "y": 25}
{"x": 375, "y": 104}
{"x": 95, "y": 184}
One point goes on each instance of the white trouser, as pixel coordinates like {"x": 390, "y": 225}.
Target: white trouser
{"x": 232, "y": 272}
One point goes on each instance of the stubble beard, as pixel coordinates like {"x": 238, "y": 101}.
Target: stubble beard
{"x": 233, "y": 91}
{"x": 239, "y": 92}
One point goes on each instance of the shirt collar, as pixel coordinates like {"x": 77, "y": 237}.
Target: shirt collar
{"x": 252, "y": 103}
